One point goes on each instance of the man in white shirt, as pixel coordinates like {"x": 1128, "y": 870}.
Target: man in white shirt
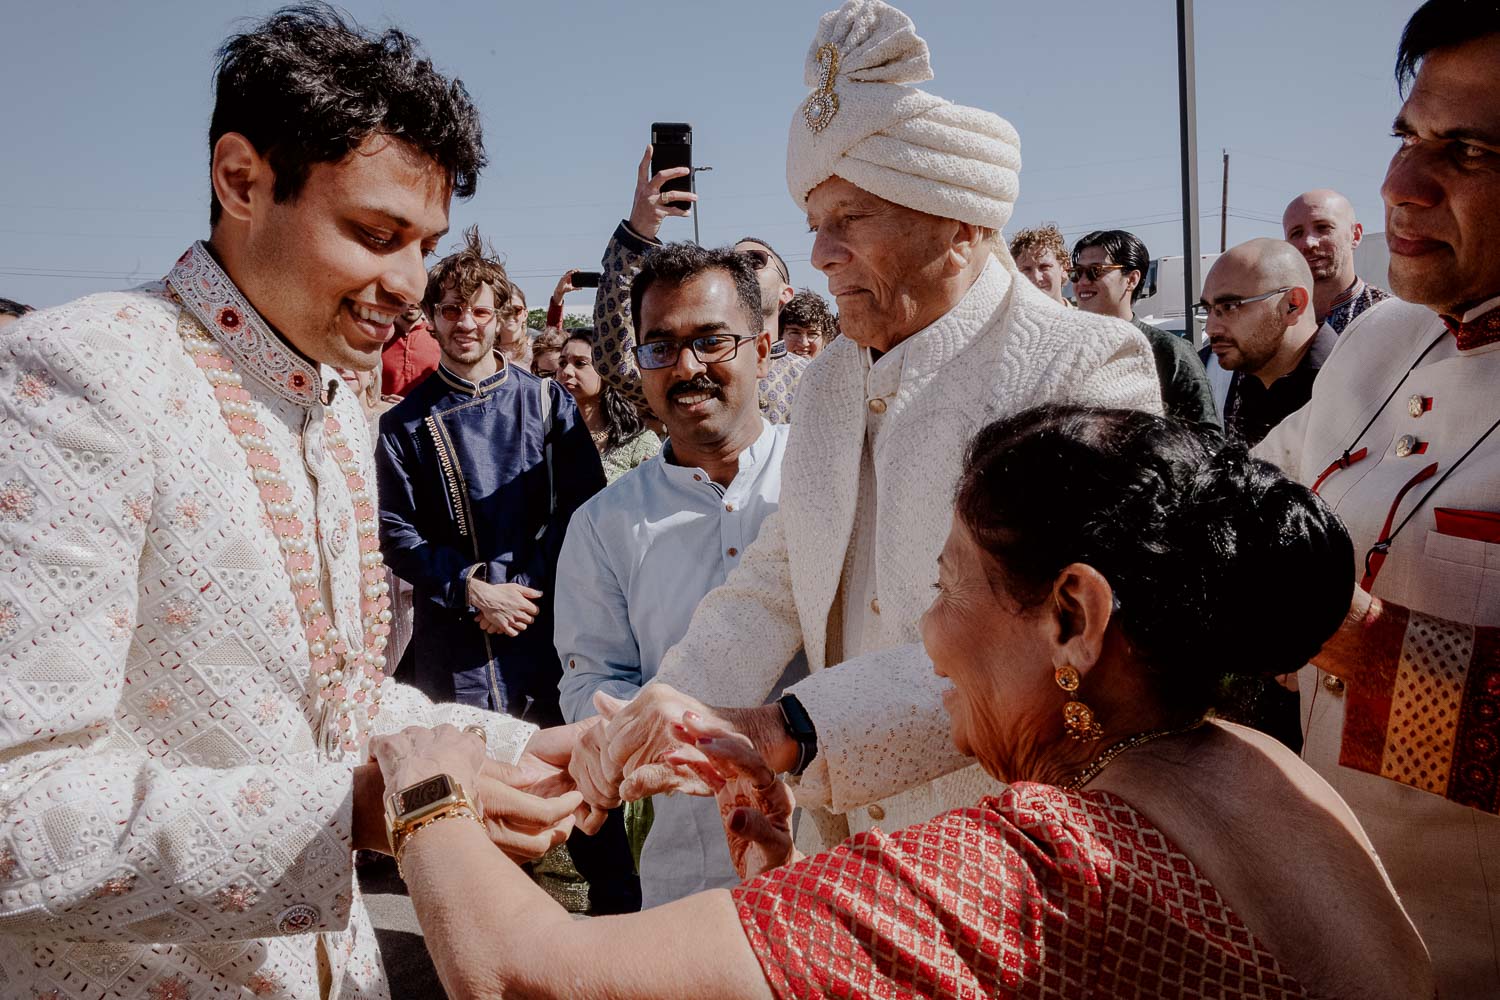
{"x": 640, "y": 555}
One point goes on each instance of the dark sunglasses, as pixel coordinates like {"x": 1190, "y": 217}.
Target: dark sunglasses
{"x": 760, "y": 258}
{"x": 1093, "y": 271}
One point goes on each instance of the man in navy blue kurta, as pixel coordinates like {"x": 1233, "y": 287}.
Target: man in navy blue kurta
{"x": 481, "y": 467}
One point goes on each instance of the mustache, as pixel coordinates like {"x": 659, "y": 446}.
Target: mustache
{"x": 701, "y": 383}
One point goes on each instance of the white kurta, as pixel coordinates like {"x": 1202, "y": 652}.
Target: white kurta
{"x": 881, "y": 725}
{"x": 1440, "y": 856}
{"x": 169, "y": 827}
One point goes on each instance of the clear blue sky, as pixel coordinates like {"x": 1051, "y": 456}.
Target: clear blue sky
{"x": 106, "y": 112}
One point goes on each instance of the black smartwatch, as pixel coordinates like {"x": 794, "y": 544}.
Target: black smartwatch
{"x": 799, "y": 726}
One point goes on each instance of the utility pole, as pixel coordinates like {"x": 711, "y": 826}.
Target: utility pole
{"x": 1187, "y": 105}
{"x": 693, "y": 184}
{"x": 1224, "y": 207}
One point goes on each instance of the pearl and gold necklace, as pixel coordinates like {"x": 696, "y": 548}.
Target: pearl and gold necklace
{"x": 348, "y": 679}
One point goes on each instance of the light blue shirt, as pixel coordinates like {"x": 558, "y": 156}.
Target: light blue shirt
{"x": 637, "y": 559}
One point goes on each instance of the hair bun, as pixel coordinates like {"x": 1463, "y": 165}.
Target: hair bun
{"x": 1277, "y": 546}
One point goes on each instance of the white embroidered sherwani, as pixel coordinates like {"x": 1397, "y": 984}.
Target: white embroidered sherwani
{"x": 838, "y": 561}
{"x": 169, "y": 828}
{"x": 1442, "y": 857}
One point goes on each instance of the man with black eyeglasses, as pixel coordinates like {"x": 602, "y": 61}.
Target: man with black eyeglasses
{"x": 636, "y": 237}
{"x": 642, "y": 554}
{"x": 1260, "y": 325}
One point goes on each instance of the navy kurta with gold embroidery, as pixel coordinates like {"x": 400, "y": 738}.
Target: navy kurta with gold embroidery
{"x": 464, "y": 489}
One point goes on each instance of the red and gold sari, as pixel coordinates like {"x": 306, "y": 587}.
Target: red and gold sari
{"x": 1036, "y": 893}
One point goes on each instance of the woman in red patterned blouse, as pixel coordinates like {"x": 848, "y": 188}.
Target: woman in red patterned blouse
{"x": 1104, "y": 571}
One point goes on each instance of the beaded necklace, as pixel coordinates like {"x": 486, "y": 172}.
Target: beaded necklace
{"x": 348, "y": 679}
{"x": 1115, "y": 749}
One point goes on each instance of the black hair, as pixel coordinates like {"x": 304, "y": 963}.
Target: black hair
{"x": 1441, "y": 24}
{"x": 1121, "y": 248}
{"x": 678, "y": 263}
{"x": 620, "y": 415}
{"x": 305, "y": 86}
{"x": 1220, "y": 565}
{"x": 10, "y": 307}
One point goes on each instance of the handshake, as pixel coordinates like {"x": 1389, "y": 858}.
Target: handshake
{"x": 571, "y": 776}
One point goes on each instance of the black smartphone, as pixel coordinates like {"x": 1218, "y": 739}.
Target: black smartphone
{"x": 672, "y": 146}
{"x": 586, "y": 279}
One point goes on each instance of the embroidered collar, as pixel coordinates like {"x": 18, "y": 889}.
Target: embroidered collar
{"x": 208, "y": 293}
{"x": 483, "y": 388}
{"x": 1477, "y": 327}
{"x": 1348, "y": 294}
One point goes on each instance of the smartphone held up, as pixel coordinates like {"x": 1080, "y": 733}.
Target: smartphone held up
{"x": 672, "y": 146}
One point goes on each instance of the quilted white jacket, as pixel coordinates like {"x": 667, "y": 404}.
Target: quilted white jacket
{"x": 881, "y": 725}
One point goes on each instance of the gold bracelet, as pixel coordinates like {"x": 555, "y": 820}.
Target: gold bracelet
{"x": 404, "y": 836}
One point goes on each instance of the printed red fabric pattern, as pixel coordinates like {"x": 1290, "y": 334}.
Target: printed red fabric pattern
{"x": 1425, "y": 710}
{"x": 1036, "y": 893}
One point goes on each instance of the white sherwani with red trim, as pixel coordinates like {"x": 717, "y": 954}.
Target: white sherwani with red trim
{"x": 169, "y": 825}
{"x": 1443, "y": 858}
{"x": 846, "y": 565}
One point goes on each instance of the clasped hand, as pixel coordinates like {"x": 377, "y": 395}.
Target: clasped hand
{"x": 504, "y": 608}
{"x": 664, "y": 741}
{"x": 527, "y": 808}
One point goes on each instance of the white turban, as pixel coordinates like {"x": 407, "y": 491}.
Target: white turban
{"x": 866, "y": 124}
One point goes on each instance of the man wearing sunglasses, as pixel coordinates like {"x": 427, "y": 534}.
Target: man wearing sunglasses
{"x": 636, "y": 237}
{"x": 1108, "y": 275}
{"x": 642, "y": 554}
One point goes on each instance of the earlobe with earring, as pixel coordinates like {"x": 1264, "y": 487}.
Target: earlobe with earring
{"x": 1078, "y": 718}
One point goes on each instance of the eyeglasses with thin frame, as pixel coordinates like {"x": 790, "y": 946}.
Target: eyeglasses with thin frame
{"x": 453, "y": 312}
{"x": 1228, "y": 307}
{"x": 1093, "y": 272}
{"x": 715, "y": 348}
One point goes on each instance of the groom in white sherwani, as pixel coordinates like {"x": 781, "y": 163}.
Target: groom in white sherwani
{"x": 907, "y": 193}
{"x": 193, "y": 611}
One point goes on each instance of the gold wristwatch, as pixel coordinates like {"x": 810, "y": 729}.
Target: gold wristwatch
{"x": 416, "y": 806}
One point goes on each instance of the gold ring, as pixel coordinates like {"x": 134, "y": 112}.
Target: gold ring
{"x": 478, "y": 730}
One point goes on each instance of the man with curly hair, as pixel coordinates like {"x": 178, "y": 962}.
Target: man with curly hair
{"x": 1041, "y": 255}
{"x": 193, "y": 613}
{"x": 807, "y": 324}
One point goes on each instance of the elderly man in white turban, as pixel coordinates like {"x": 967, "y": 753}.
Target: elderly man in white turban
{"x": 907, "y": 193}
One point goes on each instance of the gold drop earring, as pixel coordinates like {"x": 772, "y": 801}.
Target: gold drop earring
{"x": 1078, "y": 718}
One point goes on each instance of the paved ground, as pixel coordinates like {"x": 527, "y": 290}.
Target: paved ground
{"x": 407, "y": 965}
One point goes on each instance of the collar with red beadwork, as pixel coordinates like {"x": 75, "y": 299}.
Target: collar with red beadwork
{"x": 206, "y": 291}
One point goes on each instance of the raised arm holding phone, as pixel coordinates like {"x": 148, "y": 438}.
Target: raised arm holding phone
{"x": 636, "y": 236}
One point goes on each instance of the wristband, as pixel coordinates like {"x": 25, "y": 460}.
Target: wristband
{"x": 799, "y": 726}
